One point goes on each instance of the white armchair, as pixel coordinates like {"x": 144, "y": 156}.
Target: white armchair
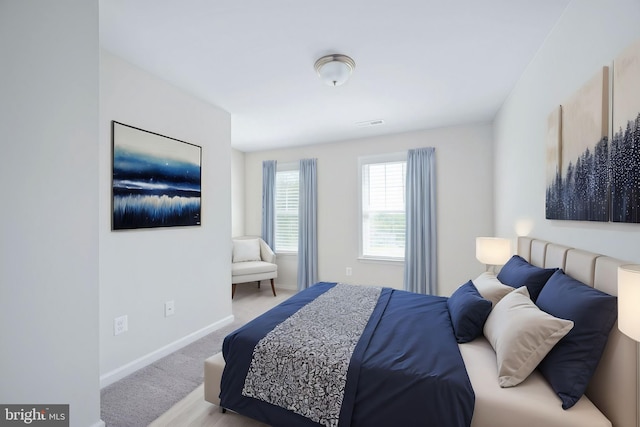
{"x": 253, "y": 261}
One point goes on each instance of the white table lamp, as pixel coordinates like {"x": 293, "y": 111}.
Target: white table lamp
{"x": 629, "y": 305}
{"x": 493, "y": 250}
{"x": 629, "y": 301}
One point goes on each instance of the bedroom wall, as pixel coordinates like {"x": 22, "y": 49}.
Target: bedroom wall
{"x": 588, "y": 36}
{"x": 141, "y": 269}
{"x": 49, "y": 216}
{"x": 464, "y": 163}
{"x": 237, "y": 193}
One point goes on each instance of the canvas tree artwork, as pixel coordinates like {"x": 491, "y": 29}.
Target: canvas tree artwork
{"x": 553, "y": 160}
{"x": 578, "y": 154}
{"x": 625, "y": 143}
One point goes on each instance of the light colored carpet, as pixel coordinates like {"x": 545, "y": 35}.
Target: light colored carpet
{"x": 143, "y": 396}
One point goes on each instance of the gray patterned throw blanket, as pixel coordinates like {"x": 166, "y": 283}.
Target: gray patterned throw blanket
{"x": 301, "y": 365}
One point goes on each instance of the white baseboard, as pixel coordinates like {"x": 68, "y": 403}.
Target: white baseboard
{"x": 121, "y": 372}
{"x": 99, "y": 424}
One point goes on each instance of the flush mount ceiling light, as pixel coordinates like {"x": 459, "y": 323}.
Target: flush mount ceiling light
{"x": 335, "y": 69}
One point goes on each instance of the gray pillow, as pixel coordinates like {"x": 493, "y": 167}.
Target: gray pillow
{"x": 491, "y": 288}
{"x": 521, "y": 335}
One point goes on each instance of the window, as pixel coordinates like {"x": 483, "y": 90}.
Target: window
{"x": 287, "y": 188}
{"x": 383, "y": 206}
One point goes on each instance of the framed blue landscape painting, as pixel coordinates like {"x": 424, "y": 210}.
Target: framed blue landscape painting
{"x": 156, "y": 179}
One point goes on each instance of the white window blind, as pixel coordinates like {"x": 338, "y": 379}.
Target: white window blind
{"x": 383, "y": 209}
{"x": 287, "y": 188}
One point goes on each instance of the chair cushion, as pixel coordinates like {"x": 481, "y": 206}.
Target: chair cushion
{"x": 252, "y": 267}
{"x": 246, "y": 250}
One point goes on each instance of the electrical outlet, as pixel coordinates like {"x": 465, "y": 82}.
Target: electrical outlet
{"x": 169, "y": 309}
{"x": 349, "y": 271}
{"x": 120, "y": 325}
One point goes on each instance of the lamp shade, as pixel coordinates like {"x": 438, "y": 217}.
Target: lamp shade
{"x": 335, "y": 69}
{"x": 629, "y": 300}
{"x": 493, "y": 250}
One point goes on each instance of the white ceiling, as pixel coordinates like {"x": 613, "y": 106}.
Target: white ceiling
{"x": 419, "y": 63}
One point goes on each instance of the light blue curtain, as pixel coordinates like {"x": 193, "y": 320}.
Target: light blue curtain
{"x": 307, "y": 225}
{"x": 269, "y": 202}
{"x": 420, "y": 240}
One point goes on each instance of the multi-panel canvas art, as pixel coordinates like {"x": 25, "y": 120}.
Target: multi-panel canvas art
{"x": 554, "y": 161}
{"x": 156, "y": 180}
{"x": 588, "y": 177}
{"x": 577, "y": 152}
{"x": 625, "y": 143}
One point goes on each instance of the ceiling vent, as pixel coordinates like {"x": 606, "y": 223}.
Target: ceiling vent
{"x": 369, "y": 123}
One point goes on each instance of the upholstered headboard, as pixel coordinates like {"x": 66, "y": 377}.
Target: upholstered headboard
{"x": 614, "y": 386}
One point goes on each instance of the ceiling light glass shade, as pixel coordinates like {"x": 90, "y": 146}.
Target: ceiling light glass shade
{"x": 335, "y": 69}
{"x": 629, "y": 301}
{"x": 493, "y": 250}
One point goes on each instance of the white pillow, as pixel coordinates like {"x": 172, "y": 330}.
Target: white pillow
{"x": 522, "y": 335}
{"x": 246, "y": 250}
{"x": 491, "y": 288}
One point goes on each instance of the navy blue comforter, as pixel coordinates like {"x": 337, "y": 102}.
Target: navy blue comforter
{"x": 405, "y": 371}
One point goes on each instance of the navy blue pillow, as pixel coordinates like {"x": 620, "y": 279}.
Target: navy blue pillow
{"x": 518, "y": 272}
{"x": 468, "y": 311}
{"x": 569, "y": 366}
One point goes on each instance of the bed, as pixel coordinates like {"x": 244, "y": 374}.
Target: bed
{"x": 477, "y": 398}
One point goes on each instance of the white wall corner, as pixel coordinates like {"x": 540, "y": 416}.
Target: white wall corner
{"x": 121, "y": 372}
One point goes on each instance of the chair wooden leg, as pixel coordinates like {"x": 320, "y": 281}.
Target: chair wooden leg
{"x": 273, "y": 288}
{"x": 258, "y": 284}
{"x": 233, "y": 290}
